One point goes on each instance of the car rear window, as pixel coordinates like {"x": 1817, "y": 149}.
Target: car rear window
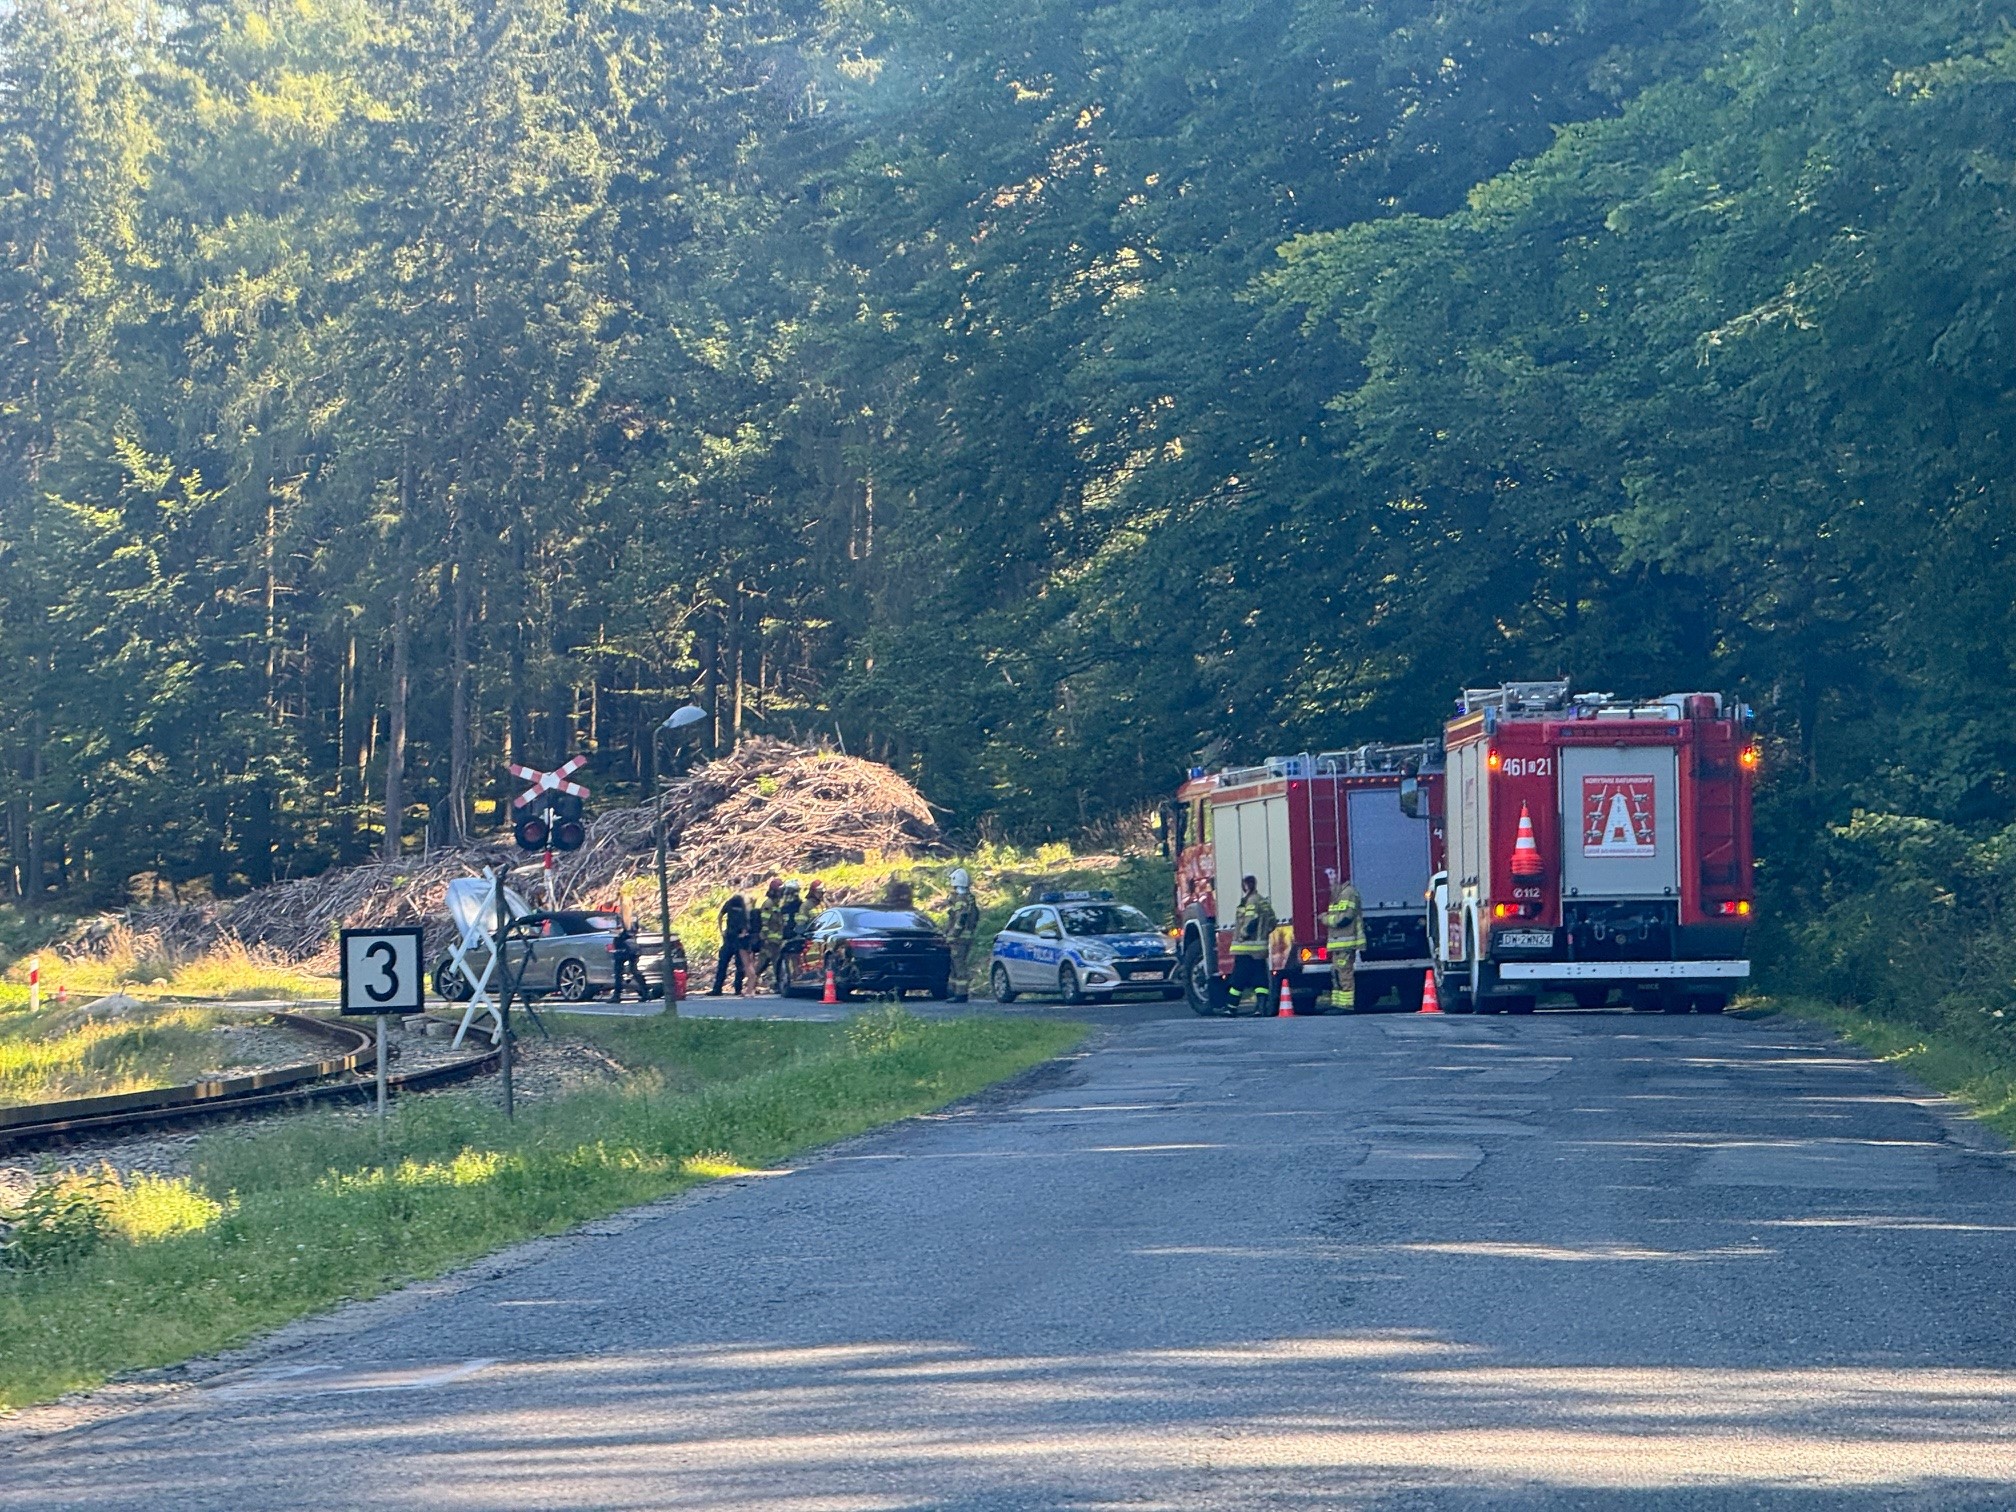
{"x": 875, "y": 918}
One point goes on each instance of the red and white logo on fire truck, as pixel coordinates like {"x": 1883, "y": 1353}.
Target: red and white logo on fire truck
{"x": 1617, "y": 816}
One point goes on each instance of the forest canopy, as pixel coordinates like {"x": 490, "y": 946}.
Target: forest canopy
{"x": 1029, "y": 396}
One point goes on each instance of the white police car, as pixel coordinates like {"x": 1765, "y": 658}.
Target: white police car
{"x": 1081, "y": 945}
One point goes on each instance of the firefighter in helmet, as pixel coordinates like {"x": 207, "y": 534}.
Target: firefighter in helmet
{"x": 791, "y": 933}
{"x": 1251, "y": 926}
{"x": 962, "y": 927}
{"x": 1344, "y": 934}
{"x": 770, "y": 934}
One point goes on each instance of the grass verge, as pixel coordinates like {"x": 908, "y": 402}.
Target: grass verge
{"x": 128, "y": 963}
{"x": 291, "y": 1218}
{"x": 1979, "y": 1072}
{"x": 62, "y": 1052}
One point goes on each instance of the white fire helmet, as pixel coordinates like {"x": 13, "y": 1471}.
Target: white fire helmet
{"x": 960, "y": 881}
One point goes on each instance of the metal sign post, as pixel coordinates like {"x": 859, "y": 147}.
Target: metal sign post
{"x": 381, "y": 976}
{"x": 504, "y": 1001}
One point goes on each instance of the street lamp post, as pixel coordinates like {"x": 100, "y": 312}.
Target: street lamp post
{"x": 679, "y": 725}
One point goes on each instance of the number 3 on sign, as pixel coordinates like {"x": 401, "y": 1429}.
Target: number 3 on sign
{"x": 381, "y": 971}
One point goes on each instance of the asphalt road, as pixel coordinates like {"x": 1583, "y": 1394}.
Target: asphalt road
{"x": 1565, "y": 1261}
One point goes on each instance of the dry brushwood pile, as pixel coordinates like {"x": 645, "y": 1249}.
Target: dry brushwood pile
{"x": 768, "y": 809}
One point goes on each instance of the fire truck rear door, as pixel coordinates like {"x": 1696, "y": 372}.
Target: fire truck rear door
{"x": 1252, "y": 841}
{"x": 1389, "y": 850}
{"x": 1620, "y": 822}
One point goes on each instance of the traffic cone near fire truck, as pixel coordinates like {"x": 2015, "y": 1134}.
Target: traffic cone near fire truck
{"x": 1525, "y": 849}
{"x": 1430, "y": 1003}
{"x": 1287, "y": 1001}
{"x": 832, "y": 988}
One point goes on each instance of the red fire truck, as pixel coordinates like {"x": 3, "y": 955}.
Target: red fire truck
{"x": 1594, "y": 844}
{"x": 1295, "y": 823}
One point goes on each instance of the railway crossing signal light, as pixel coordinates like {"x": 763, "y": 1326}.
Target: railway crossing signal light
{"x": 550, "y": 810}
{"x": 531, "y": 831}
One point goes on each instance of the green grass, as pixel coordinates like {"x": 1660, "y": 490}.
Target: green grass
{"x": 125, "y": 963}
{"x": 57, "y": 1053}
{"x": 1979, "y": 1071}
{"x": 292, "y": 1218}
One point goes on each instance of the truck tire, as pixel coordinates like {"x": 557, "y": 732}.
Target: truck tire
{"x": 1453, "y": 992}
{"x": 1200, "y": 983}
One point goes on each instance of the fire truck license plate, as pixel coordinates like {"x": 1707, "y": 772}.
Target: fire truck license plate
{"x": 1525, "y": 939}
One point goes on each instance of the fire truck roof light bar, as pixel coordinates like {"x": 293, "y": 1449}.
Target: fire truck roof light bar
{"x": 1372, "y": 760}
{"x": 1553, "y": 700}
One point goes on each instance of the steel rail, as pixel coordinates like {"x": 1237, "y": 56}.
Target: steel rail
{"x": 38, "y": 1125}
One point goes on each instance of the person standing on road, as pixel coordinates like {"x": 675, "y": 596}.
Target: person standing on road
{"x": 734, "y": 918}
{"x": 1344, "y": 935}
{"x": 790, "y": 932}
{"x": 748, "y": 982}
{"x": 1251, "y": 926}
{"x": 962, "y": 928}
{"x": 623, "y": 958}
{"x": 767, "y": 934}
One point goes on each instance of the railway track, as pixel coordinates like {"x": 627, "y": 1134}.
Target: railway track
{"x": 40, "y": 1125}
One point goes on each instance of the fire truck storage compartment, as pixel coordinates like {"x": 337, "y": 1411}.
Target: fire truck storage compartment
{"x": 1624, "y": 803}
{"x": 1469, "y": 824}
{"x": 1251, "y": 840}
{"x": 1389, "y": 850}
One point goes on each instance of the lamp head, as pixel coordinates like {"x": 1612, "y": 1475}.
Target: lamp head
{"x": 681, "y": 721}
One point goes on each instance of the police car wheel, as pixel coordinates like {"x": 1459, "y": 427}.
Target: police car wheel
{"x": 997, "y": 982}
{"x": 1068, "y": 986}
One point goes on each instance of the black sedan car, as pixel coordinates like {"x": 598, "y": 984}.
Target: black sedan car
{"x": 873, "y": 951}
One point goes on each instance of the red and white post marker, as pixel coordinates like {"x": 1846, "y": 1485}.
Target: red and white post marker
{"x": 34, "y": 983}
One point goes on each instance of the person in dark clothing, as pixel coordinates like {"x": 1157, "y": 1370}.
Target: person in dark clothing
{"x": 625, "y": 959}
{"x": 734, "y": 941}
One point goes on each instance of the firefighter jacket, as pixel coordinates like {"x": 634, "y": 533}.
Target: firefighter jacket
{"x": 1344, "y": 921}
{"x": 780, "y": 923}
{"x": 962, "y": 917}
{"x": 1251, "y": 925}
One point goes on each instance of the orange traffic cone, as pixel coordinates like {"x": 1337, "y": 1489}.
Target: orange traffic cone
{"x": 832, "y": 988}
{"x": 1430, "y": 1003}
{"x": 1287, "y": 1001}
{"x": 1525, "y": 849}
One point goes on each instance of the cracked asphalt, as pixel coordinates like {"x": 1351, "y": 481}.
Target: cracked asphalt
{"x": 1575, "y": 1260}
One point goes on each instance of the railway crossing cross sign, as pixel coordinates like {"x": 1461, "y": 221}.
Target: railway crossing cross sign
{"x": 555, "y": 781}
{"x": 382, "y": 971}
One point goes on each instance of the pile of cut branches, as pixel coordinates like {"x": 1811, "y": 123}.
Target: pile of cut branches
{"x": 767, "y": 809}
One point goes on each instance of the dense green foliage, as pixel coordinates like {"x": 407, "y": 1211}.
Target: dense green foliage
{"x": 1030, "y": 395}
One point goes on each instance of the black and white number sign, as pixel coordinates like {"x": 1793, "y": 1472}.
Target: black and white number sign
{"x": 381, "y": 971}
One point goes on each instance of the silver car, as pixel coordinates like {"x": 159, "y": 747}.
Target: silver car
{"x": 569, "y": 955}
